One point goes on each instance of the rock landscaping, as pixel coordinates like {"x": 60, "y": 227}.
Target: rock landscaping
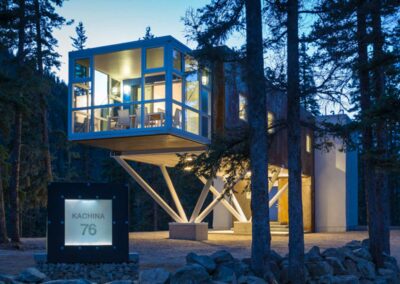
{"x": 349, "y": 264}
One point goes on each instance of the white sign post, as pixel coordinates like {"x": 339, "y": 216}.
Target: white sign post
{"x": 88, "y": 222}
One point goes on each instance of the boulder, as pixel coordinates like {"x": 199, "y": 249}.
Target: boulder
{"x": 207, "y": 262}
{"x": 120, "y": 282}
{"x": 274, "y": 256}
{"x": 367, "y": 269}
{"x": 351, "y": 267}
{"x": 7, "y": 279}
{"x": 338, "y": 268}
{"x": 365, "y": 243}
{"x": 238, "y": 267}
{"x": 221, "y": 256}
{"x": 354, "y": 244}
{"x": 363, "y": 253}
{"x": 319, "y": 268}
{"x": 192, "y": 273}
{"x": 154, "y": 276}
{"x": 68, "y": 281}
{"x": 31, "y": 275}
{"x": 224, "y": 274}
{"x": 389, "y": 275}
{"x": 274, "y": 269}
{"x": 250, "y": 280}
{"x": 284, "y": 275}
{"x": 313, "y": 254}
{"x": 344, "y": 279}
{"x": 334, "y": 252}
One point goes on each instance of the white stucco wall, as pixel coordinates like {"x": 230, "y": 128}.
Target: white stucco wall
{"x": 222, "y": 219}
{"x": 336, "y": 189}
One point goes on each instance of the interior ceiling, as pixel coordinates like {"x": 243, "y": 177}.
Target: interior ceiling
{"x": 120, "y": 65}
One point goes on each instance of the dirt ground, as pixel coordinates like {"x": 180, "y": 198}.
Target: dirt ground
{"x": 156, "y": 250}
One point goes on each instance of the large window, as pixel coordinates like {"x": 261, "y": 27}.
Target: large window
{"x": 155, "y": 57}
{"x": 81, "y": 95}
{"x": 82, "y": 68}
{"x": 126, "y": 90}
{"x": 117, "y": 77}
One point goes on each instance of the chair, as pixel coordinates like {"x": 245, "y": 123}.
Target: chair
{"x": 123, "y": 121}
{"x": 177, "y": 119}
{"x": 138, "y": 116}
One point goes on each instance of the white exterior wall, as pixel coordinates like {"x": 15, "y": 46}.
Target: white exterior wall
{"x": 222, "y": 219}
{"x": 336, "y": 186}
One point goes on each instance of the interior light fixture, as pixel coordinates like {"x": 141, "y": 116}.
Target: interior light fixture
{"x": 114, "y": 90}
{"x": 127, "y": 89}
{"x": 204, "y": 79}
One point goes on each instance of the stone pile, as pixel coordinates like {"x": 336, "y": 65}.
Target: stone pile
{"x": 350, "y": 264}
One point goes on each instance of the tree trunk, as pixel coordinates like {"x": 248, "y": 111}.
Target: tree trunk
{"x": 17, "y": 141}
{"x": 15, "y": 177}
{"x": 296, "y": 231}
{"x": 381, "y": 184}
{"x": 261, "y": 236}
{"x": 3, "y": 225}
{"x": 375, "y": 245}
{"x": 44, "y": 118}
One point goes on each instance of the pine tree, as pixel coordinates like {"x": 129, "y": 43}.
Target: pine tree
{"x": 79, "y": 41}
{"x": 148, "y": 34}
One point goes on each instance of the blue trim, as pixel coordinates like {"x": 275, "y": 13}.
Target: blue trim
{"x": 164, "y": 40}
{"x": 169, "y": 44}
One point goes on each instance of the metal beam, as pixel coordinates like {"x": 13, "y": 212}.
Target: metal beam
{"x": 174, "y": 195}
{"x": 207, "y": 210}
{"x": 237, "y": 206}
{"x": 200, "y": 201}
{"x": 224, "y": 202}
{"x": 274, "y": 178}
{"x": 278, "y": 194}
{"x": 148, "y": 189}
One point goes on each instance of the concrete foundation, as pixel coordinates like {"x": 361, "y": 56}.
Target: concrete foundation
{"x": 242, "y": 228}
{"x": 188, "y": 231}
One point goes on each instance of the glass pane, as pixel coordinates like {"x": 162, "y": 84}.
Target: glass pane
{"x": 81, "y": 95}
{"x": 154, "y": 57}
{"x": 177, "y": 88}
{"x": 242, "y": 107}
{"x": 177, "y": 116}
{"x": 271, "y": 121}
{"x": 154, "y": 87}
{"x": 131, "y": 90}
{"x": 117, "y": 118}
{"x": 192, "y": 121}
{"x": 82, "y": 68}
{"x": 192, "y": 91}
{"x": 206, "y": 126}
{"x": 205, "y": 101}
{"x": 205, "y": 78}
{"x": 177, "y": 57}
{"x": 117, "y": 77}
{"x": 101, "y": 89}
{"x": 154, "y": 114}
{"x": 81, "y": 121}
{"x": 191, "y": 64}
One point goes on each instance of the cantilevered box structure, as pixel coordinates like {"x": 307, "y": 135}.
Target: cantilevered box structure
{"x": 149, "y": 100}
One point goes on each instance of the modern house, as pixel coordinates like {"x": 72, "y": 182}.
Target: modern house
{"x": 149, "y": 100}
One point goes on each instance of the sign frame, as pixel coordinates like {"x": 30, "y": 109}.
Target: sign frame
{"x": 58, "y": 252}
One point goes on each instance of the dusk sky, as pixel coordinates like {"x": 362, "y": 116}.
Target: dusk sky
{"x": 110, "y": 22}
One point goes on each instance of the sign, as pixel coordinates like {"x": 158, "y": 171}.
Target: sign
{"x": 87, "y": 223}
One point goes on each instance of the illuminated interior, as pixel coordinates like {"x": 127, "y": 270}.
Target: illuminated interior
{"x": 127, "y": 90}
